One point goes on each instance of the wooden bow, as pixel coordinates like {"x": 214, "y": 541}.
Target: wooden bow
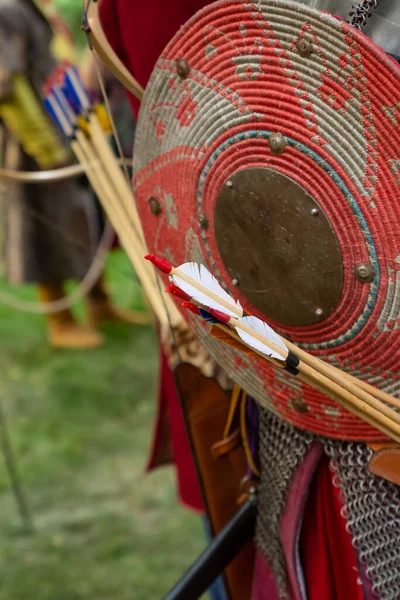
{"x": 52, "y": 175}
{"x": 94, "y": 31}
{"x": 41, "y": 176}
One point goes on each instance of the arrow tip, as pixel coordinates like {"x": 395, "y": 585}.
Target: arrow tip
{"x": 219, "y": 315}
{"x": 176, "y": 291}
{"x": 191, "y": 307}
{"x": 161, "y": 264}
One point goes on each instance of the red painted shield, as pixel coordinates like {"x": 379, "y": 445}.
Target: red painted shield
{"x": 338, "y": 109}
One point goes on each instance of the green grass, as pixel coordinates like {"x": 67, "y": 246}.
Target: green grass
{"x": 81, "y": 425}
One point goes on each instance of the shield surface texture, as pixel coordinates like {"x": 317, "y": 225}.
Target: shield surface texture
{"x": 268, "y": 137}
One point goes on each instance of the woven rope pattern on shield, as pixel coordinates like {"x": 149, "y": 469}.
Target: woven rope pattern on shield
{"x": 339, "y": 110}
{"x": 282, "y": 448}
{"x": 372, "y": 509}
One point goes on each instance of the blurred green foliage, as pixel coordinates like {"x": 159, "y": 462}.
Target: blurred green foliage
{"x": 81, "y": 425}
{"x": 71, "y": 11}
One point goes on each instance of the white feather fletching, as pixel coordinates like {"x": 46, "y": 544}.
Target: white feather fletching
{"x": 202, "y": 275}
{"x": 267, "y": 332}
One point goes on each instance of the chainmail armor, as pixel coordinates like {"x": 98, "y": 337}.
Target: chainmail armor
{"x": 282, "y": 448}
{"x": 362, "y": 12}
{"x": 371, "y": 504}
{"x": 372, "y": 510}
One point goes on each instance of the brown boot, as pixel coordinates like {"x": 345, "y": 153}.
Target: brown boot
{"x": 63, "y": 330}
{"x": 100, "y": 310}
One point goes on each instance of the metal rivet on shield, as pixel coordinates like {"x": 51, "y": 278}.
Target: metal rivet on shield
{"x": 155, "y": 206}
{"x": 315, "y": 212}
{"x": 299, "y": 406}
{"x": 319, "y": 313}
{"x": 235, "y": 282}
{"x": 304, "y": 46}
{"x": 229, "y": 184}
{"x": 182, "y": 67}
{"x": 277, "y": 143}
{"x": 364, "y": 272}
{"x": 203, "y": 221}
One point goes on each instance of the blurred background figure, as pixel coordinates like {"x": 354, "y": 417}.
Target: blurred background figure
{"x": 80, "y": 421}
{"x": 51, "y": 230}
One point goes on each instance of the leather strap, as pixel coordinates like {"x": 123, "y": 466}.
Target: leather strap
{"x": 385, "y": 462}
{"x": 227, "y": 444}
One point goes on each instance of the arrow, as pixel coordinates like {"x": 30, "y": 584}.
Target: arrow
{"x": 323, "y": 377}
{"x": 257, "y": 334}
{"x": 199, "y": 284}
{"x": 195, "y": 282}
{"x": 84, "y": 121}
{"x": 337, "y": 375}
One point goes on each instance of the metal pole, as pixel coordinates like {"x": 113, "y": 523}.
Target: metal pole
{"x": 12, "y": 469}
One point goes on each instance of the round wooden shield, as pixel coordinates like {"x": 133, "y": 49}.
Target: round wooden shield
{"x": 268, "y": 139}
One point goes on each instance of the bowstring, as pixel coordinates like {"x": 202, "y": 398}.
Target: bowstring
{"x": 106, "y": 101}
{"x": 174, "y": 336}
{"x": 86, "y": 29}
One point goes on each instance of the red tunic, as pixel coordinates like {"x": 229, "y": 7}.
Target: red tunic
{"x": 328, "y": 556}
{"x": 139, "y": 31}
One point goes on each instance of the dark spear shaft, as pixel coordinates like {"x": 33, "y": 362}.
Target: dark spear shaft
{"x": 222, "y": 550}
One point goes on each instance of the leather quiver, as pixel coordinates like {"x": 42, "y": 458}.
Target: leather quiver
{"x": 221, "y": 464}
